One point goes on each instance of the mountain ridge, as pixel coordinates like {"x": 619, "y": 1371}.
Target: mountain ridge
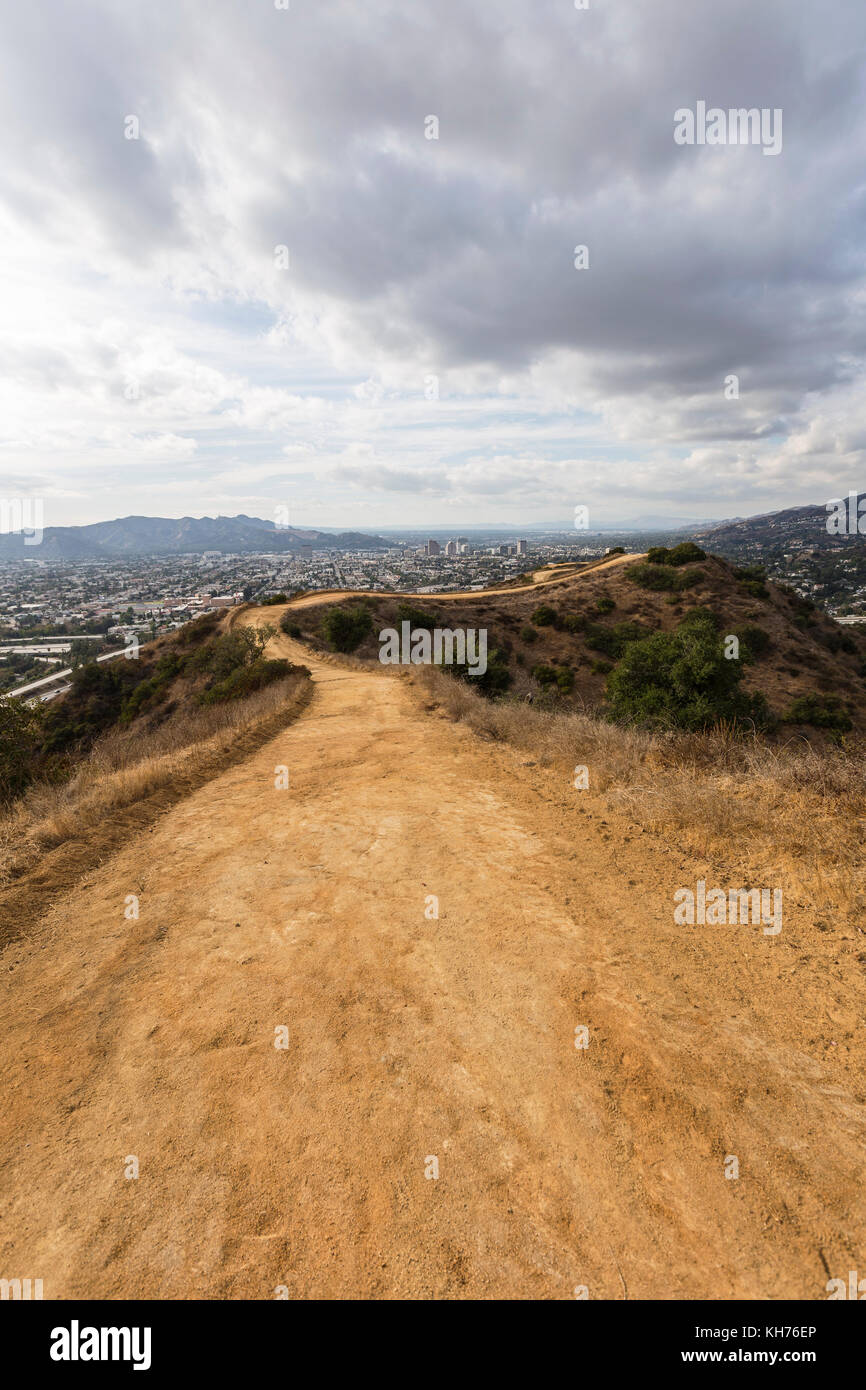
{"x": 131, "y": 536}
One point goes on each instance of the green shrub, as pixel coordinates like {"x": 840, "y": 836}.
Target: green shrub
{"x": 754, "y": 642}
{"x": 683, "y": 554}
{"x": 274, "y": 598}
{"x": 612, "y": 641}
{"x": 686, "y": 553}
{"x": 661, "y": 577}
{"x": 20, "y": 735}
{"x": 406, "y": 613}
{"x": 836, "y": 640}
{"x": 605, "y": 604}
{"x": 756, "y": 590}
{"x": 93, "y": 703}
{"x": 245, "y": 680}
{"x": 545, "y": 675}
{"x": 753, "y": 580}
{"x": 528, "y": 633}
{"x": 544, "y": 616}
{"x": 573, "y": 622}
{"x": 495, "y": 680}
{"x": 345, "y": 628}
{"x": 560, "y": 676}
{"x": 240, "y": 647}
{"x": 681, "y": 679}
{"x": 151, "y": 692}
{"x": 821, "y": 711}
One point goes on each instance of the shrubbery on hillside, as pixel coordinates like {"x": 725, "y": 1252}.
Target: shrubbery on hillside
{"x": 20, "y": 734}
{"x": 240, "y": 647}
{"x": 648, "y": 575}
{"x": 244, "y": 680}
{"x": 496, "y": 679}
{"x": 821, "y": 711}
{"x": 344, "y": 629}
{"x": 612, "y": 641}
{"x": 754, "y": 642}
{"x": 407, "y": 613}
{"x": 117, "y": 692}
{"x": 683, "y": 554}
{"x": 44, "y": 741}
{"x": 95, "y": 701}
{"x": 544, "y": 615}
{"x": 754, "y": 580}
{"x": 560, "y": 676}
{"x": 681, "y": 679}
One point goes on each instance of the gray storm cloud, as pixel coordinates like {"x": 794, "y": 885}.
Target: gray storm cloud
{"x": 306, "y": 128}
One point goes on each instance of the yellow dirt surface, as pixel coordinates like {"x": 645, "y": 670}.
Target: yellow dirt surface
{"x": 412, "y": 1038}
{"x": 540, "y": 579}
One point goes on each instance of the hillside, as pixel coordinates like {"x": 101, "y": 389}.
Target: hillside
{"x": 803, "y": 526}
{"x": 333, "y": 1052}
{"x": 796, "y": 546}
{"x": 130, "y": 739}
{"x": 561, "y": 646}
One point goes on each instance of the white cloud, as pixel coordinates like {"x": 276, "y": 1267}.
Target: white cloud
{"x": 146, "y": 325}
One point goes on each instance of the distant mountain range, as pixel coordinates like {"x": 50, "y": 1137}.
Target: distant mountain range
{"x": 774, "y": 531}
{"x": 129, "y": 536}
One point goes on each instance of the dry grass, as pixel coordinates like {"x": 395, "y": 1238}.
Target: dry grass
{"x": 790, "y": 809}
{"x": 127, "y": 765}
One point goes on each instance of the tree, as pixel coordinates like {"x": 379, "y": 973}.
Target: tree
{"x": 345, "y": 628}
{"x": 682, "y": 679}
{"x": 20, "y": 728}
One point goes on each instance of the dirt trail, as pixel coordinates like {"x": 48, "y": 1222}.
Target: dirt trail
{"x": 411, "y": 1038}
{"x": 559, "y": 574}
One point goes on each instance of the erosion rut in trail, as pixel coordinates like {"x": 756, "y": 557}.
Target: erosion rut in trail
{"x": 410, "y": 1038}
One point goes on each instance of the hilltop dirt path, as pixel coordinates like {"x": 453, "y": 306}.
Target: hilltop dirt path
{"x": 411, "y": 1038}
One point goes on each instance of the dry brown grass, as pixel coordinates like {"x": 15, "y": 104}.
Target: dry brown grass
{"x": 789, "y": 809}
{"x": 128, "y": 765}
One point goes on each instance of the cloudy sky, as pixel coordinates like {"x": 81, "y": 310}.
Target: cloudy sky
{"x": 284, "y": 293}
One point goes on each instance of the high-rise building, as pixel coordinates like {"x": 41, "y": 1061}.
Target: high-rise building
{"x": 451, "y": 548}
{"x": 523, "y": 547}
{"x": 433, "y": 548}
